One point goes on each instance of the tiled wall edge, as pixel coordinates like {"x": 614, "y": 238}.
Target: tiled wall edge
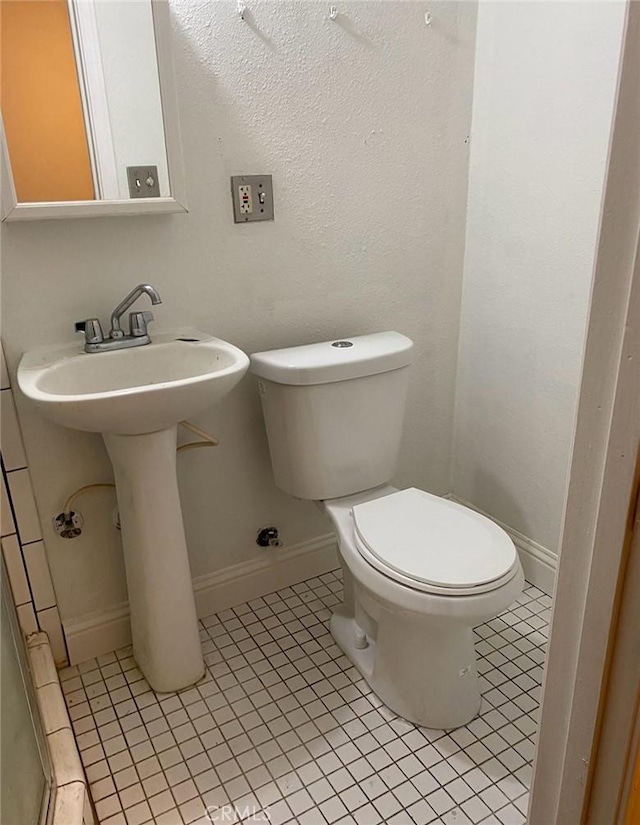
{"x": 5, "y": 383}
{"x": 71, "y": 802}
{"x": 22, "y": 545}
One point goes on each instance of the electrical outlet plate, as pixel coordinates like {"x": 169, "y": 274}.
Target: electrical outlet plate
{"x": 252, "y": 197}
{"x": 143, "y": 181}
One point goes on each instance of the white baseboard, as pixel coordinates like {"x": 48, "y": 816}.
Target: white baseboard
{"x": 108, "y": 630}
{"x": 539, "y": 563}
{"x": 277, "y": 569}
{"x": 97, "y": 633}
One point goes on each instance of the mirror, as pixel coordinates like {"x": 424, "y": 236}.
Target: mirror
{"x": 88, "y": 109}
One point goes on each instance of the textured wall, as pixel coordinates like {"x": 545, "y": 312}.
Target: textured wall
{"x": 363, "y": 124}
{"x": 544, "y": 90}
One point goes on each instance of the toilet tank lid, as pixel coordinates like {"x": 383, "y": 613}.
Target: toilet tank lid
{"x": 337, "y": 360}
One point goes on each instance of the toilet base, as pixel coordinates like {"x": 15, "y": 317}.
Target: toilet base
{"x": 425, "y": 671}
{"x": 414, "y": 648}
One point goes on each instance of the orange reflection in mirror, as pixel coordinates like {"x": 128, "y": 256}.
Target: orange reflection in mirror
{"x": 41, "y": 103}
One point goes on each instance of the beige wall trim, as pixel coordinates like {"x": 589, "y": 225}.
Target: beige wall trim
{"x": 96, "y": 634}
{"x": 601, "y": 479}
{"x": 618, "y": 730}
{"x": 539, "y": 563}
{"x": 71, "y": 805}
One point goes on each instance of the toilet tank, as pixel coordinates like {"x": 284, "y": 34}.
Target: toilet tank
{"x": 334, "y": 412}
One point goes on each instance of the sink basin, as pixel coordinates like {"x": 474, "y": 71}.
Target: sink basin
{"x": 131, "y": 391}
{"x": 136, "y": 397}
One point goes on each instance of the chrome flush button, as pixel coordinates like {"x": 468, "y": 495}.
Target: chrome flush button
{"x": 341, "y": 344}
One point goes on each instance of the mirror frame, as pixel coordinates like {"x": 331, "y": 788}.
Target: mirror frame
{"x": 12, "y": 210}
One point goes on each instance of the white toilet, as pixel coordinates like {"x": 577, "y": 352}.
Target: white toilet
{"x": 419, "y": 571}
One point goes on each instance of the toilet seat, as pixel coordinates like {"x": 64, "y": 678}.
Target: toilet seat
{"x": 432, "y": 544}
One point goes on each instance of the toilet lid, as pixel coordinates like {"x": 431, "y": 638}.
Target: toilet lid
{"x": 433, "y": 541}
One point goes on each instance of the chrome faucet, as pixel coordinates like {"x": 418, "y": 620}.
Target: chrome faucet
{"x": 94, "y": 340}
{"x": 124, "y": 305}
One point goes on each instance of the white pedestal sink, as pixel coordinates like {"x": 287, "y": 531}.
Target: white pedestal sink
{"x": 135, "y": 398}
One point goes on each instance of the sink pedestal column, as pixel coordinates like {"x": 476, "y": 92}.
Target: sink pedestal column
{"x": 164, "y": 627}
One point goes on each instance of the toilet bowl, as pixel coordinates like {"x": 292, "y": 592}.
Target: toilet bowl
{"x": 419, "y": 571}
{"x": 412, "y": 639}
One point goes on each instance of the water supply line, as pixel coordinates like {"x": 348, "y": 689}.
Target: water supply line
{"x": 66, "y": 511}
{"x": 206, "y": 439}
{"x": 68, "y": 523}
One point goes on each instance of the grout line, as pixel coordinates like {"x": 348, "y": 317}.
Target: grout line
{"x": 273, "y": 660}
{"x": 21, "y": 544}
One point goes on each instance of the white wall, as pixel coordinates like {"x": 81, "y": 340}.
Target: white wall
{"x": 545, "y": 77}
{"x": 363, "y": 124}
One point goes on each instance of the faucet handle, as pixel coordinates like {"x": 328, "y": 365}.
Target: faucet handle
{"x": 92, "y": 330}
{"x": 138, "y": 323}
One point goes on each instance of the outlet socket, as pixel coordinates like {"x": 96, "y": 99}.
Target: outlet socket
{"x": 252, "y": 197}
{"x": 245, "y": 196}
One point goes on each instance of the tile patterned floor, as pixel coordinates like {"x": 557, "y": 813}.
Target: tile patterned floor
{"x": 284, "y": 728}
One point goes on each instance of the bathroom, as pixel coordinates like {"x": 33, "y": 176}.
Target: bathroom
{"x": 438, "y": 170}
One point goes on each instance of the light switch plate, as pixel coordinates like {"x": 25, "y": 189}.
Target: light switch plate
{"x": 252, "y": 197}
{"x": 143, "y": 181}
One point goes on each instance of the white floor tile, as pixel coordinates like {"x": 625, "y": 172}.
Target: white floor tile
{"x": 284, "y": 722}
